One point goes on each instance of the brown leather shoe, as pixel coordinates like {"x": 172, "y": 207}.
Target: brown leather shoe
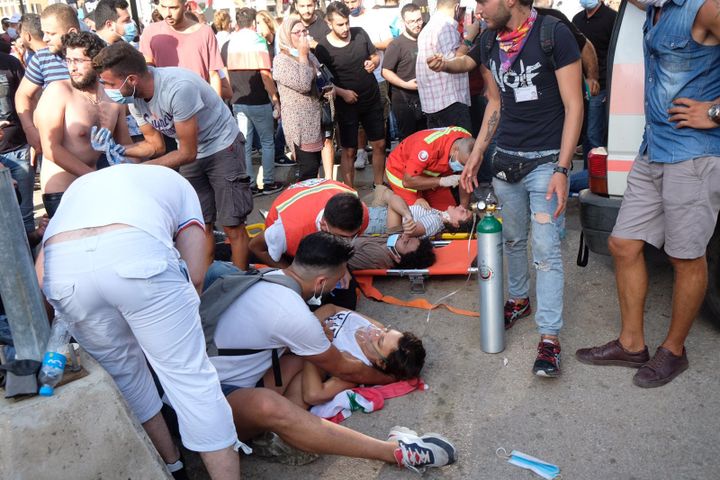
{"x": 612, "y": 353}
{"x": 663, "y": 367}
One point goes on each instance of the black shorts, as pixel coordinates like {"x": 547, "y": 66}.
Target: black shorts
{"x": 222, "y": 185}
{"x": 349, "y": 118}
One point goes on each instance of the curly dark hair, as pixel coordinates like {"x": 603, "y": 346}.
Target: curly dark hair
{"x": 88, "y": 41}
{"x": 423, "y": 257}
{"x": 408, "y": 360}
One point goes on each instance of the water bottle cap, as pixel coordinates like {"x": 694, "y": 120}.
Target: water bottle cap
{"x": 46, "y": 391}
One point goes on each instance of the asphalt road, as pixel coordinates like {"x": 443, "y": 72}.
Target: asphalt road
{"x": 592, "y": 422}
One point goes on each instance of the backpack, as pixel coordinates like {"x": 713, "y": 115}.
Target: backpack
{"x": 547, "y": 38}
{"x": 222, "y": 293}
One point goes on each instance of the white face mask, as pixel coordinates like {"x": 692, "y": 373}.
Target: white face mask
{"x": 316, "y": 300}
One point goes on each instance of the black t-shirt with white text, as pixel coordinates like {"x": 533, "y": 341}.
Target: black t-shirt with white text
{"x": 11, "y": 72}
{"x": 347, "y": 66}
{"x": 533, "y": 124}
{"x": 400, "y": 58}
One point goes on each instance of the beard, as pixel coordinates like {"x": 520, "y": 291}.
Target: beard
{"x": 83, "y": 83}
{"x": 412, "y": 34}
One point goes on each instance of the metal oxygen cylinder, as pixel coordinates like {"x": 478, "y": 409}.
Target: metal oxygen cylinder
{"x": 490, "y": 279}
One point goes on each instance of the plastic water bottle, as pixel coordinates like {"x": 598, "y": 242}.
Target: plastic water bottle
{"x": 54, "y": 361}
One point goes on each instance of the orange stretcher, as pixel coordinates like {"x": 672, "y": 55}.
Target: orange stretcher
{"x": 454, "y": 257}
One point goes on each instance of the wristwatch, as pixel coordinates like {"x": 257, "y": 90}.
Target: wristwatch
{"x": 559, "y": 169}
{"x": 714, "y": 113}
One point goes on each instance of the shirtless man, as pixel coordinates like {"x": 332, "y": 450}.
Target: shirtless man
{"x": 68, "y": 110}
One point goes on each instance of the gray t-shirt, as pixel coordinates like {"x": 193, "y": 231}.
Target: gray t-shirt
{"x": 180, "y": 94}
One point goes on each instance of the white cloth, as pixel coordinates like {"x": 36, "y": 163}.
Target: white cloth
{"x": 265, "y": 317}
{"x": 276, "y": 240}
{"x": 151, "y": 198}
{"x": 344, "y": 325}
{"x": 127, "y": 297}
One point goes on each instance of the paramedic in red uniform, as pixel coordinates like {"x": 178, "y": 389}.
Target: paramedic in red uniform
{"x": 305, "y": 207}
{"x": 428, "y": 163}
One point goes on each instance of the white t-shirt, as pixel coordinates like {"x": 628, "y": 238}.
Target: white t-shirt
{"x": 377, "y": 29}
{"x": 265, "y": 317}
{"x": 276, "y": 240}
{"x": 151, "y": 198}
{"x": 344, "y": 325}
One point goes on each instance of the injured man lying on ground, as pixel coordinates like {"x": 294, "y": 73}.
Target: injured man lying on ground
{"x": 398, "y": 354}
{"x": 395, "y": 251}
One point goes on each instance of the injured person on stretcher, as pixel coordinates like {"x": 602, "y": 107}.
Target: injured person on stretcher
{"x": 389, "y": 213}
{"x": 398, "y": 354}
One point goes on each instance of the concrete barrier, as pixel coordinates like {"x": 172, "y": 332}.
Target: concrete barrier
{"x": 85, "y": 431}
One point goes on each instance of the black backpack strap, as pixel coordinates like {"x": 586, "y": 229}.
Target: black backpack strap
{"x": 240, "y": 352}
{"x": 547, "y": 37}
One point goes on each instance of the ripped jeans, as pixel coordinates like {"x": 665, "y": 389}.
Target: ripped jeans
{"x": 524, "y": 205}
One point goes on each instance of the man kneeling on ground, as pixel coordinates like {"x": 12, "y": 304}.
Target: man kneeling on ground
{"x": 269, "y": 316}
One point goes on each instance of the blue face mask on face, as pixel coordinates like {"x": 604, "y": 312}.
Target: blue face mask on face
{"x": 117, "y": 97}
{"x": 589, "y": 4}
{"x": 391, "y": 242}
{"x": 355, "y": 12}
{"x": 548, "y": 471}
{"x": 294, "y": 52}
{"x": 130, "y": 32}
{"x": 455, "y": 165}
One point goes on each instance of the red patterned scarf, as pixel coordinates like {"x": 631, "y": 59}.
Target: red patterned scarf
{"x": 511, "y": 42}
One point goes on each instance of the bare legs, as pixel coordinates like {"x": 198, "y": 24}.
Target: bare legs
{"x": 256, "y": 410}
{"x": 631, "y": 276}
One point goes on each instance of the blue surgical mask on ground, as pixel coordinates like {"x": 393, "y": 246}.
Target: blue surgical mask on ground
{"x": 117, "y": 97}
{"x": 548, "y": 471}
{"x": 589, "y": 4}
{"x": 130, "y": 32}
{"x": 455, "y": 165}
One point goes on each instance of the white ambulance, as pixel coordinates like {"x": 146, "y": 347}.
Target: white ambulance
{"x": 608, "y": 173}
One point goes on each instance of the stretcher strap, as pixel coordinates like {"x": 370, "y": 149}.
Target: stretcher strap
{"x": 365, "y": 283}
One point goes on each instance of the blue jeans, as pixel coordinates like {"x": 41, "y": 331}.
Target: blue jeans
{"x": 18, "y": 162}
{"x": 524, "y": 205}
{"x": 258, "y": 118}
{"x": 596, "y": 121}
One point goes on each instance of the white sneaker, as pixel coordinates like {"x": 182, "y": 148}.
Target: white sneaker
{"x": 361, "y": 159}
{"x": 418, "y": 453}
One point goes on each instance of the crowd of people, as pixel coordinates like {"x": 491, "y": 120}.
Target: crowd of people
{"x": 143, "y": 137}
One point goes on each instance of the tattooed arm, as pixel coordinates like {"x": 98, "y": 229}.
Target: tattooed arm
{"x": 491, "y": 119}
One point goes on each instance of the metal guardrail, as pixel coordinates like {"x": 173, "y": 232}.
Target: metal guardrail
{"x": 19, "y": 287}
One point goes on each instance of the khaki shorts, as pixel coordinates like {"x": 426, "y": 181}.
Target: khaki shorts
{"x": 674, "y": 205}
{"x": 222, "y": 185}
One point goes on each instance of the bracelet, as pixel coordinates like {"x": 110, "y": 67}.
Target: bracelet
{"x": 559, "y": 169}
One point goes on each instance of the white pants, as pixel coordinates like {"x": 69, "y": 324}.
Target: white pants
{"x": 127, "y": 297}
